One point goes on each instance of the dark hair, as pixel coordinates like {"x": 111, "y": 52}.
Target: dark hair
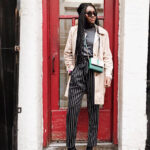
{"x": 81, "y": 25}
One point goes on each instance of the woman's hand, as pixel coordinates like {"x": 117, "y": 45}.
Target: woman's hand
{"x": 107, "y": 82}
{"x": 69, "y": 72}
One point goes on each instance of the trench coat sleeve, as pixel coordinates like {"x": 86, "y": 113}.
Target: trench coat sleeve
{"x": 107, "y": 57}
{"x": 68, "y": 54}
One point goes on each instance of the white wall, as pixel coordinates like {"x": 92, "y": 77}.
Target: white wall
{"x": 132, "y": 73}
{"x": 30, "y": 77}
{"x": 133, "y": 47}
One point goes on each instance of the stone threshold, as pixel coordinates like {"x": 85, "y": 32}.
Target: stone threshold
{"x": 81, "y": 146}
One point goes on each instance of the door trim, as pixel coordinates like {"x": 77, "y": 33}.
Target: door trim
{"x": 46, "y": 73}
{"x": 115, "y": 81}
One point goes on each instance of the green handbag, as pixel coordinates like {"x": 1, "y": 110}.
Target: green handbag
{"x": 94, "y": 63}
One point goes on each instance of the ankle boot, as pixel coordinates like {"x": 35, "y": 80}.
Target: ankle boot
{"x": 89, "y": 148}
{"x": 73, "y": 148}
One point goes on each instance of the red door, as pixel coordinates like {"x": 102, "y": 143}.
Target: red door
{"x": 58, "y": 17}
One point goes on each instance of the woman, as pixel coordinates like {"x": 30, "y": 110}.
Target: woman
{"x": 85, "y": 41}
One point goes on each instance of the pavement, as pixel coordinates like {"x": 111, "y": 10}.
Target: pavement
{"x": 82, "y": 146}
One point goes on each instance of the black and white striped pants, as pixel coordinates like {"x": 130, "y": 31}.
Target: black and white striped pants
{"x": 82, "y": 81}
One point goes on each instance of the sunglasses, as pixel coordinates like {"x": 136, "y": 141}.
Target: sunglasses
{"x": 90, "y": 13}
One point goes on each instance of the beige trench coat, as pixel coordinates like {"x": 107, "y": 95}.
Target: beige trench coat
{"x": 104, "y": 54}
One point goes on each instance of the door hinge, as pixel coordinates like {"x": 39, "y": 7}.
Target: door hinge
{"x": 19, "y": 110}
{"x": 17, "y": 48}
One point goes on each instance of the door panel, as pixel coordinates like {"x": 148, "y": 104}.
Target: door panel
{"x": 59, "y": 125}
{"x": 65, "y": 25}
{"x": 69, "y": 7}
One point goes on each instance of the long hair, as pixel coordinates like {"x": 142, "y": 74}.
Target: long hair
{"x": 81, "y": 26}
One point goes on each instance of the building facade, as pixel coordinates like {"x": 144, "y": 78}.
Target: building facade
{"x": 42, "y": 78}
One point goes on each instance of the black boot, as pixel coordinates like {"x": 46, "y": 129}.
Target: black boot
{"x": 73, "y": 148}
{"x": 89, "y": 147}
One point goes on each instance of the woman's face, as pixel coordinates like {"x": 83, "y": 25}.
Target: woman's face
{"x": 90, "y": 14}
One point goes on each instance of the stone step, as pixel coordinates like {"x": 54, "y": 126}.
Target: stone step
{"x": 82, "y": 146}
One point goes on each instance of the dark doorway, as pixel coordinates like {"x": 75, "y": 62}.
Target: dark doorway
{"x": 9, "y": 60}
{"x": 148, "y": 93}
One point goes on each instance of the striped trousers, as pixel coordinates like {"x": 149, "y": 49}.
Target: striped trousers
{"x": 82, "y": 81}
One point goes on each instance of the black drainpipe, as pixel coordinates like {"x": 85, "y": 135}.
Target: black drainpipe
{"x": 148, "y": 93}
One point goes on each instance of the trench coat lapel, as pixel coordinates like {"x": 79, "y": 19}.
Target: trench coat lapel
{"x": 98, "y": 38}
{"x": 95, "y": 43}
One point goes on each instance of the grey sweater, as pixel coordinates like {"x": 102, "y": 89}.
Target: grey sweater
{"x": 89, "y": 37}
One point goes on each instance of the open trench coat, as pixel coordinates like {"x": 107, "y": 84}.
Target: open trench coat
{"x": 102, "y": 52}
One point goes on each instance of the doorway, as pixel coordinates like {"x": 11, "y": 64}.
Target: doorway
{"x": 59, "y": 16}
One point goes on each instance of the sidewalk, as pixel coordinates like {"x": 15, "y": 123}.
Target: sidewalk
{"x": 82, "y": 146}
